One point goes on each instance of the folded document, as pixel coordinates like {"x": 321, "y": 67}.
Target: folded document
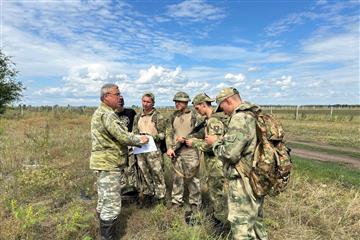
{"x": 149, "y": 147}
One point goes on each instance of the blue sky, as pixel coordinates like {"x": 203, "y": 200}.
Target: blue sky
{"x": 274, "y": 52}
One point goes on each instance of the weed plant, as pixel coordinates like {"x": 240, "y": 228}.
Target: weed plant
{"x": 48, "y": 190}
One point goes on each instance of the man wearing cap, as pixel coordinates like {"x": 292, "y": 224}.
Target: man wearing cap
{"x": 149, "y": 121}
{"x": 110, "y": 140}
{"x": 214, "y": 166}
{"x": 186, "y": 160}
{"x": 238, "y": 144}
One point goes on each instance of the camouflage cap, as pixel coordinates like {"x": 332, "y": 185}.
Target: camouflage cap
{"x": 181, "y": 97}
{"x": 150, "y": 95}
{"x": 223, "y": 94}
{"x": 200, "y": 98}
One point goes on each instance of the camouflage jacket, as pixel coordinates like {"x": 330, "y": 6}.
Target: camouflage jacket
{"x": 110, "y": 140}
{"x": 239, "y": 140}
{"x": 157, "y": 119}
{"x": 213, "y": 126}
{"x": 170, "y": 131}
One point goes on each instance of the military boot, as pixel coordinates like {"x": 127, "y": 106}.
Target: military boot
{"x": 107, "y": 229}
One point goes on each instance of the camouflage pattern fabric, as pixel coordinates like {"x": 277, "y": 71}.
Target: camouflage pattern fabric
{"x": 109, "y": 194}
{"x": 151, "y": 164}
{"x": 238, "y": 144}
{"x": 129, "y": 180}
{"x": 186, "y": 167}
{"x": 110, "y": 140}
{"x": 215, "y": 178}
{"x": 245, "y": 211}
{"x": 186, "y": 164}
{"x": 182, "y": 97}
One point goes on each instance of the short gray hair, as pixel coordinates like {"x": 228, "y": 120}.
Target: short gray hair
{"x": 106, "y": 88}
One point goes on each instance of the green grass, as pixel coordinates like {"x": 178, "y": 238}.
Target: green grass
{"x": 333, "y": 133}
{"x": 45, "y": 167}
{"x": 326, "y": 171}
{"x": 325, "y": 150}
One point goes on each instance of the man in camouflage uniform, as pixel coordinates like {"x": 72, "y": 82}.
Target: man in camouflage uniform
{"x": 110, "y": 140}
{"x": 238, "y": 144}
{"x": 214, "y": 166}
{"x": 149, "y": 121}
{"x": 185, "y": 160}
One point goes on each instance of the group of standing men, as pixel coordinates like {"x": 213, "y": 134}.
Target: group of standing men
{"x": 223, "y": 144}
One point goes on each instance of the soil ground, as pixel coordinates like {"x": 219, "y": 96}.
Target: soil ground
{"x": 322, "y": 156}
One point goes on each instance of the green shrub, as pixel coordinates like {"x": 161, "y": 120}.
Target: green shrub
{"x": 74, "y": 222}
{"x": 41, "y": 180}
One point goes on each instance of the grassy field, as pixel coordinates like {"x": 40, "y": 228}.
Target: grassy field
{"x": 44, "y": 159}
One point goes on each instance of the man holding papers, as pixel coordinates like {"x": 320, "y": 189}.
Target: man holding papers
{"x": 150, "y": 122}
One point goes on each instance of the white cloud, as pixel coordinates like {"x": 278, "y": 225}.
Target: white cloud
{"x": 66, "y": 50}
{"x": 286, "y": 23}
{"x": 235, "y": 78}
{"x": 258, "y": 82}
{"x": 334, "y": 48}
{"x": 315, "y": 84}
{"x": 219, "y": 52}
{"x": 285, "y": 82}
{"x": 160, "y": 75}
{"x": 195, "y": 11}
{"x": 221, "y": 85}
{"x": 278, "y": 95}
{"x": 272, "y": 44}
{"x": 253, "y": 69}
{"x": 322, "y": 12}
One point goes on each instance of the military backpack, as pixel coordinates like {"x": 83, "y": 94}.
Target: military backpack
{"x": 271, "y": 164}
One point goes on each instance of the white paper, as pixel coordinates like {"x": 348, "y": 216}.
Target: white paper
{"x": 149, "y": 147}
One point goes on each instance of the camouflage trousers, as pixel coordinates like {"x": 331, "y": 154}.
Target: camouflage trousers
{"x": 129, "y": 180}
{"x": 186, "y": 168}
{"x": 109, "y": 194}
{"x": 217, "y": 192}
{"x": 245, "y": 211}
{"x": 150, "y": 165}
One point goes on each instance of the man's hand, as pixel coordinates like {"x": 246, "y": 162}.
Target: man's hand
{"x": 180, "y": 139}
{"x": 211, "y": 139}
{"x": 188, "y": 142}
{"x": 171, "y": 153}
{"x": 144, "y": 139}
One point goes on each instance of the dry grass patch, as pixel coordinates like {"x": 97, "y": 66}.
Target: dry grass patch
{"x": 314, "y": 210}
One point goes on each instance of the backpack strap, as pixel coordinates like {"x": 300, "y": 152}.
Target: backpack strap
{"x": 154, "y": 118}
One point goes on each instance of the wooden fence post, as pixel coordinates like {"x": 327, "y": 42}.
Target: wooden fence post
{"x": 297, "y": 112}
{"x": 331, "y": 112}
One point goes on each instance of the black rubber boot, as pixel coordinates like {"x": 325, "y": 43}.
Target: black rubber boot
{"x": 190, "y": 218}
{"x": 107, "y": 229}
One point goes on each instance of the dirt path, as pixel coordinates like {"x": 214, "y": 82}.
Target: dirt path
{"x": 318, "y": 155}
{"x": 326, "y": 146}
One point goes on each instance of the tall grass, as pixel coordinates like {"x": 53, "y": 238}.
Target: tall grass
{"x": 44, "y": 172}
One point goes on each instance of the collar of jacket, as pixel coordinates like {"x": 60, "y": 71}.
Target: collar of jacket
{"x": 106, "y": 107}
{"x": 178, "y": 112}
{"x": 244, "y": 106}
{"x": 144, "y": 114}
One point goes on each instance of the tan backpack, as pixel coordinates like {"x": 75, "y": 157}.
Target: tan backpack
{"x": 272, "y": 165}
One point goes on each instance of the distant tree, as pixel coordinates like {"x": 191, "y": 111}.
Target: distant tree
{"x": 10, "y": 88}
